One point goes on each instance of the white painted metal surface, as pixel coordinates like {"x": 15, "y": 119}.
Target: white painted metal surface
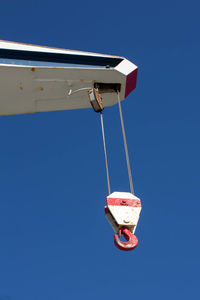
{"x": 29, "y": 86}
{"x": 123, "y": 214}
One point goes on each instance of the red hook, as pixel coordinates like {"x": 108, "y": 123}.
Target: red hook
{"x": 131, "y": 243}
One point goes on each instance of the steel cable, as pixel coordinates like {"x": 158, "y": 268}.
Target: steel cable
{"x": 105, "y": 153}
{"x": 125, "y": 146}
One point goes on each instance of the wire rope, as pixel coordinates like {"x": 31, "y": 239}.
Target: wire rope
{"x": 105, "y": 153}
{"x": 125, "y": 145}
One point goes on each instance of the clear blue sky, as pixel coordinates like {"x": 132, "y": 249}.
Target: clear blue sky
{"x": 55, "y": 242}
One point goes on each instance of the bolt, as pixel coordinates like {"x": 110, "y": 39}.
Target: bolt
{"x": 126, "y": 220}
{"x": 123, "y": 202}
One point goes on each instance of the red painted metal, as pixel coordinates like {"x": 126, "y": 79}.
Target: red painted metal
{"x": 124, "y": 202}
{"x": 131, "y": 243}
{"x": 131, "y": 81}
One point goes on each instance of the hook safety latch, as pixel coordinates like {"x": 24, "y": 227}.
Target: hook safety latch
{"x": 131, "y": 243}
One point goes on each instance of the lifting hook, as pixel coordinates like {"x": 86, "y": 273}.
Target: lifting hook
{"x": 131, "y": 243}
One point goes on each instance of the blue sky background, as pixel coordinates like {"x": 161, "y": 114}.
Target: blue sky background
{"x": 55, "y": 242}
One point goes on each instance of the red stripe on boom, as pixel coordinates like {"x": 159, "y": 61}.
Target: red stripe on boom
{"x": 131, "y": 81}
